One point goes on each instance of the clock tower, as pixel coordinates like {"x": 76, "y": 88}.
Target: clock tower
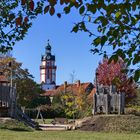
{"x": 48, "y": 69}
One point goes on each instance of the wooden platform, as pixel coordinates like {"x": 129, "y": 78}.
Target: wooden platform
{"x": 56, "y": 127}
{"x": 5, "y": 119}
{"x": 4, "y": 111}
{"x": 4, "y": 108}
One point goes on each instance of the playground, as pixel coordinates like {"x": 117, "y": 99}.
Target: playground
{"x": 20, "y": 126}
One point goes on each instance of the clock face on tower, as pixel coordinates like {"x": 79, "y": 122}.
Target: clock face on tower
{"x": 48, "y": 57}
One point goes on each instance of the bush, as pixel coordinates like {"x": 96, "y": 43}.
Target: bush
{"x": 135, "y": 110}
{"x": 40, "y": 100}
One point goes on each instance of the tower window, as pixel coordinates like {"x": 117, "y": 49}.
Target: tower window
{"x": 48, "y": 63}
{"x": 48, "y": 74}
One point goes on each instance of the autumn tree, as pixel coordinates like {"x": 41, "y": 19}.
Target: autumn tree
{"x": 83, "y": 103}
{"x": 10, "y": 67}
{"x": 117, "y": 24}
{"x": 68, "y": 101}
{"x": 114, "y": 74}
{"x": 75, "y": 102}
{"x": 27, "y": 88}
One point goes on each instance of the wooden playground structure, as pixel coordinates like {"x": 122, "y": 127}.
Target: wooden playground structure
{"x": 8, "y": 105}
{"x": 7, "y": 98}
{"x": 108, "y": 101}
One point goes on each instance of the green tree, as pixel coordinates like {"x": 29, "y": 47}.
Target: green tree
{"x": 58, "y": 106}
{"x": 117, "y": 23}
{"x": 27, "y": 91}
{"x": 39, "y": 100}
{"x": 15, "y": 20}
{"x": 75, "y": 103}
{"x": 69, "y": 103}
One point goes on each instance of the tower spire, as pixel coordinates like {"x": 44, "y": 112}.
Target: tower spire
{"x": 48, "y": 42}
{"x": 48, "y": 47}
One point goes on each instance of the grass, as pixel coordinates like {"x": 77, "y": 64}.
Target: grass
{"x": 14, "y": 125}
{"x": 14, "y": 130}
{"x": 65, "y": 135}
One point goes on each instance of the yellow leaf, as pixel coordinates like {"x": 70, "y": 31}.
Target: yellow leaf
{"x": 118, "y": 14}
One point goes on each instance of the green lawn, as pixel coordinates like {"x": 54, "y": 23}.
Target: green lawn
{"x": 64, "y": 135}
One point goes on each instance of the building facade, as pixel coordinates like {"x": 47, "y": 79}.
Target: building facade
{"x": 48, "y": 70}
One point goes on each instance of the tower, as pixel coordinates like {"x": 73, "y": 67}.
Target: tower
{"x": 48, "y": 69}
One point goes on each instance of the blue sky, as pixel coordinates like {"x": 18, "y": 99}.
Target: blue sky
{"x": 72, "y": 50}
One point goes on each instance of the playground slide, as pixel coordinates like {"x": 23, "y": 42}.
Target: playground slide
{"x": 26, "y": 119}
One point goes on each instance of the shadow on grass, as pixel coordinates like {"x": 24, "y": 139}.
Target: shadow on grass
{"x": 20, "y": 130}
{"x": 17, "y": 129}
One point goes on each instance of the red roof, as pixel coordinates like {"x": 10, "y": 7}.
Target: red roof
{"x": 81, "y": 88}
{"x": 74, "y": 87}
{"x": 50, "y": 93}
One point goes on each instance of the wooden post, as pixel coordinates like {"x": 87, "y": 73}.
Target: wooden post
{"x": 122, "y": 102}
{"x": 119, "y": 104}
{"x": 94, "y": 104}
{"x": 12, "y": 102}
{"x": 39, "y": 113}
{"x": 106, "y": 104}
{"x": 23, "y": 109}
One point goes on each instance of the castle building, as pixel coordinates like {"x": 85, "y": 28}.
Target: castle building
{"x": 48, "y": 70}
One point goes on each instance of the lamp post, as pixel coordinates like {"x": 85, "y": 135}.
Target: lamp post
{"x": 11, "y": 82}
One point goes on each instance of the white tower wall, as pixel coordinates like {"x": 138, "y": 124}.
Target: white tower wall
{"x": 48, "y": 70}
